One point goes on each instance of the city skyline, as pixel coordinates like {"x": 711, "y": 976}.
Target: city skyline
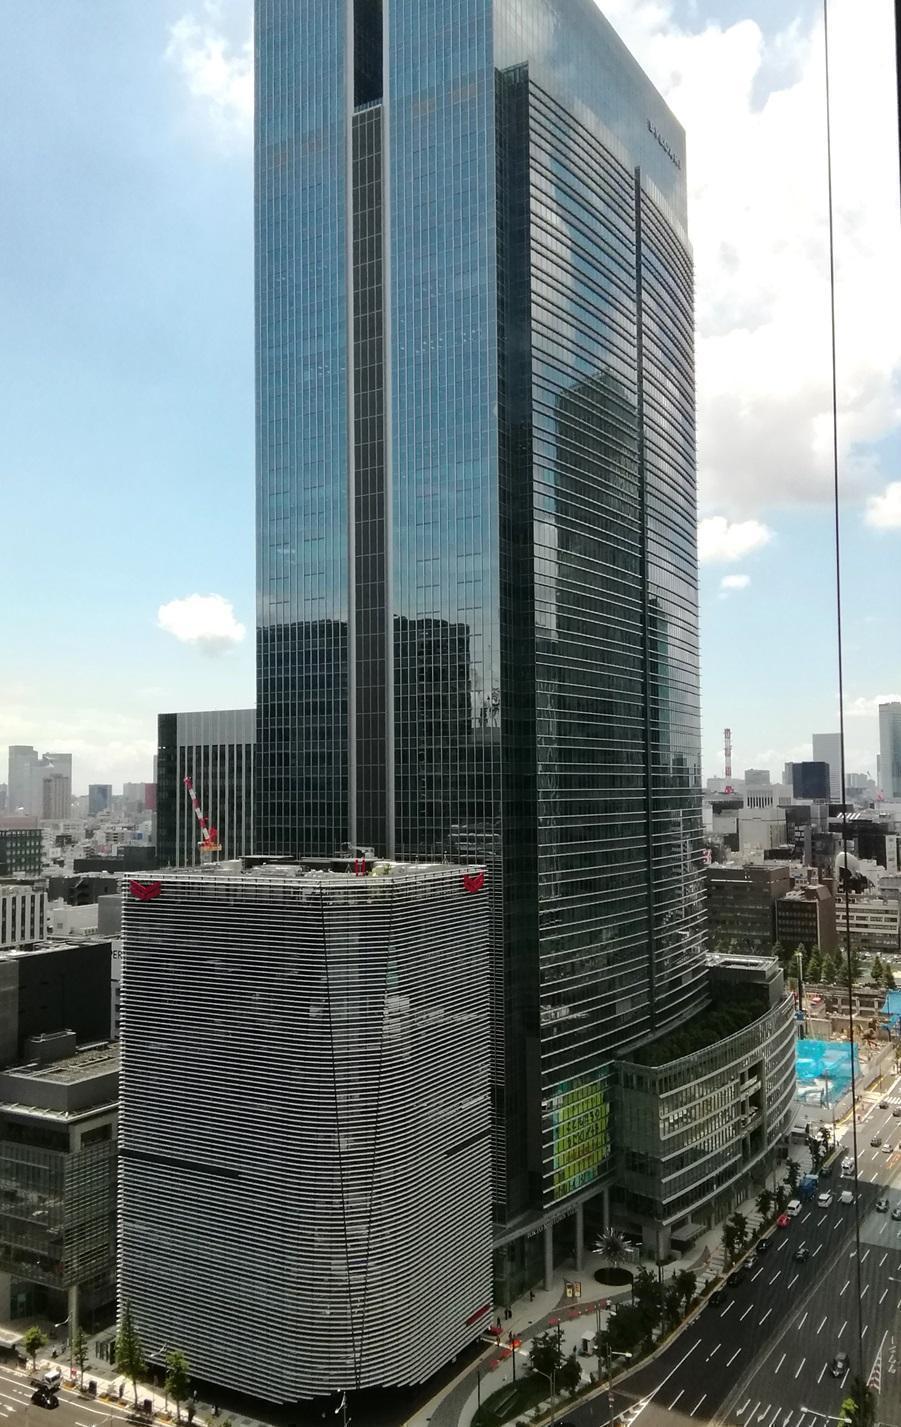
{"x": 139, "y": 222}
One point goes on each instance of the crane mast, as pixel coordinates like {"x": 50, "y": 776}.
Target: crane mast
{"x": 209, "y": 836}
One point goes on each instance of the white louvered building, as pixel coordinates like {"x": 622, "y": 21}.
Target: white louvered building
{"x": 305, "y": 1200}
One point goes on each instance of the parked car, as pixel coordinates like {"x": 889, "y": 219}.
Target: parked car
{"x": 824, "y": 1200}
{"x": 802, "y": 1254}
{"x": 839, "y": 1365}
{"x": 717, "y": 1296}
{"x": 881, "y": 1206}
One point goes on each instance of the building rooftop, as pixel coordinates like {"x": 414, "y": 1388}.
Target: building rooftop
{"x": 90, "y": 1061}
{"x": 334, "y": 871}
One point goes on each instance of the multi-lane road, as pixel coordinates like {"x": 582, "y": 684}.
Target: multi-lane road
{"x": 18, "y": 1410}
{"x": 761, "y": 1356}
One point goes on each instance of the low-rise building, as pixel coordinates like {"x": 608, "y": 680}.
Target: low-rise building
{"x": 23, "y": 913}
{"x": 58, "y": 1161}
{"x": 21, "y": 850}
{"x": 701, "y": 1113}
{"x": 741, "y": 904}
{"x": 806, "y": 917}
{"x": 873, "y": 923}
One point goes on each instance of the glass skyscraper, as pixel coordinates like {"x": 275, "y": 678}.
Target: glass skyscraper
{"x": 477, "y": 609}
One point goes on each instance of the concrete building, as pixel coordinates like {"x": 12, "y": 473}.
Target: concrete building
{"x": 704, "y": 1110}
{"x": 827, "y": 748}
{"x": 21, "y": 851}
{"x": 805, "y": 916}
{"x": 319, "y": 1134}
{"x": 890, "y": 751}
{"x": 54, "y": 986}
{"x": 23, "y": 914}
{"x": 100, "y": 798}
{"x": 22, "y": 758}
{"x": 741, "y": 905}
{"x": 215, "y": 749}
{"x": 873, "y": 923}
{"x": 58, "y": 1158}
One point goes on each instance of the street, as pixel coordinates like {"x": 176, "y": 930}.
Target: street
{"x": 762, "y": 1354}
{"x": 73, "y": 1410}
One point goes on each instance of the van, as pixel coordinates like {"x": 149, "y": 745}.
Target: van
{"x": 793, "y": 1207}
{"x": 846, "y": 1197}
{"x": 51, "y": 1380}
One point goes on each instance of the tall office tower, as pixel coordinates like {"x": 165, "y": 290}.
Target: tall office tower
{"x": 22, "y": 759}
{"x": 827, "y": 748}
{"x": 215, "y": 750}
{"x": 100, "y": 798}
{"x": 890, "y": 750}
{"x": 306, "y": 1136}
{"x": 476, "y": 563}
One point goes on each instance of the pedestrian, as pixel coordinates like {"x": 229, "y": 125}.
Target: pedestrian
{"x": 508, "y": 1312}
{"x": 531, "y": 1296}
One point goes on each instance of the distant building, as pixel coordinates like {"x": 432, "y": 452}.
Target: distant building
{"x": 53, "y": 986}
{"x": 827, "y": 748}
{"x": 100, "y": 798}
{"x": 806, "y": 917}
{"x": 22, "y": 758}
{"x": 215, "y": 749}
{"x": 757, "y": 778}
{"x": 23, "y": 914}
{"x": 21, "y": 851}
{"x": 810, "y": 780}
{"x": 741, "y": 905}
{"x": 873, "y": 923}
{"x": 139, "y": 857}
{"x": 890, "y": 750}
{"x": 58, "y": 1160}
{"x": 331, "y": 1192}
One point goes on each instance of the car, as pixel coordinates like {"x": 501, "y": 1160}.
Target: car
{"x": 886, "y": 1148}
{"x": 717, "y": 1296}
{"x": 42, "y": 1398}
{"x": 875, "y": 1141}
{"x": 846, "y": 1197}
{"x": 881, "y": 1206}
{"x": 883, "y": 1104}
{"x": 824, "y": 1200}
{"x": 897, "y": 1112}
{"x": 751, "y": 1260}
{"x": 896, "y": 1212}
{"x": 847, "y": 1166}
{"x": 793, "y": 1207}
{"x": 839, "y": 1365}
{"x": 762, "y": 1245}
{"x": 783, "y": 1221}
{"x": 825, "y": 1171}
{"x": 802, "y": 1254}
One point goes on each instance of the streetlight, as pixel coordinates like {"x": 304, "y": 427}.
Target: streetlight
{"x": 830, "y": 1417}
{"x": 552, "y": 1379}
{"x": 610, "y": 1357}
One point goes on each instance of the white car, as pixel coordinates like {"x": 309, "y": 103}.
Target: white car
{"x": 793, "y": 1207}
{"x": 824, "y": 1200}
{"x": 886, "y": 1149}
{"x": 846, "y": 1197}
{"x": 847, "y": 1166}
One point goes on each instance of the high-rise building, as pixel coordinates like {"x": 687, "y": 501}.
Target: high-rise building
{"x": 477, "y": 608}
{"x": 827, "y": 748}
{"x": 215, "y": 750}
{"x": 100, "y": 798}
{"x": 811, "y": 780}
{"x": 306, "y": 1115}
{"x": 22, "y": 758}
{"x": 890, "y": 750}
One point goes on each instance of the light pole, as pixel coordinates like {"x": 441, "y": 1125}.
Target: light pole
{"x": 551, "y": 1379}
{"x": 610, "y": 1358}
{"x": 68, "y": 1341}
{"x": 830, "y": 1417}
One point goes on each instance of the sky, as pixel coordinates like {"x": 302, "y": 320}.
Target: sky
{"x": 126, "y": 367}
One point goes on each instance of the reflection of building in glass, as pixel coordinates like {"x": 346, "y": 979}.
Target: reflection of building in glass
{"x": 215, "y": 750}
{"x": 476, "y": 521}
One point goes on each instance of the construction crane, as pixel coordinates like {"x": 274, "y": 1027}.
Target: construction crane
{"x": 209, "y": 836}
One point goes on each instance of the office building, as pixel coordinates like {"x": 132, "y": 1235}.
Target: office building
{"x": 215, "y": 750}
{"x": 47, "y": 987}
{"x": 100, "y": 798}
{"x": 477, "y": 606}
{"x": 21, "y": 851}
{"x": 58, "y": 1160}
{"x": 741, "y": 905}
{"x": 810, "y": 780}
{"x": 305, "y": 1165}
{"x": 827, "y": 748}
{"x": 890, "y": 751}
{"x": 22, "y": 758}
{"x": 806, "y": 917}
{"x": 23, "y": 914}
{"x": 757, "y": 778}
{"x": 873, "y": 923}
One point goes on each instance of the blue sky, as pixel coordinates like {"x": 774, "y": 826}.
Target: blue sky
{"x": 126, "y": 360}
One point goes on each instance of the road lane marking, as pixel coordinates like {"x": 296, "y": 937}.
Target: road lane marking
{"x": 780, "y": 1362}
{"x": 865, "y": 1256}
{"x": 743, "y": 1410}
{"x": 842, "y": 1328}
{"x": 882, "y": 1294}
{"x": 864, "y": 1292}
{"x": 680, "y": 1393}
{"x": 882, "y": 1229}
{"x": 730, "y": 1304}
{"x": 853, "y": 1254}
{"x": 757, "y": 1274}
{"x": 763, "y": 1413}
{"x": 817, "y": 1250}
{"x": 745, "y": 1314}
{"x": 775, "y": 1276}
{"x": 805, "y": 1216}
{"x": 716, "y": 1350}
{"x": 783, "y": 1243}
{"x": 793, "y": 1281}
{"x": 882, "y": 1260}
{"x": 864, "y": 1333}
{"x": 823, "y": 1324}
{"x": 765, "y": 1317}
{"x": 697, "y": 1405}
{"x": 847, "y": 1284}
{"x": 803, "y": 1320}
{"x": 845, "y": 1379}
{"x": 800, "y": 1366}
{"x": 821, "y": 1222}
{"x": 822, "y": 1370}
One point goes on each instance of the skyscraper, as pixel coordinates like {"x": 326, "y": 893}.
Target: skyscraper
{"x": 890, "y": 750}
{"x": 827, "y": 748}
{"x": 477, "y": 611}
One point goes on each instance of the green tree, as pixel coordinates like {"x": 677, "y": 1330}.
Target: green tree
{"x": 649, "y": 1301}
{"x": 129, "y": 1350}
{"x": 33, "y": 1340}
{"x": 764, "y": 1204}
{"x": 625, "y": 1331}
{"x": 817, "y": 1154}
{"x": 793, "y": 1174}
{"x": 877, "y": 971}
{"x": 856, "y": 968}
{"x": 781, "y": 1197}
{"x": 828, "y": 969}
{"x": 859, "y": 1407}
{"x": 687, "y": 1282}
{"x": 813, "y": 969}
{"x": 80, "y": 1353}
{"x": 672, "y": 1304}
{"x": 742, "y": 1229}
{"x": 730, "y": 1243}
{"x": 569, "y": 1378}
{"x": 546, "y": 1354}
{"x": 177, "y": 1379}
{"x": 888, "y": 978}
{"x": 825, "y": 1135}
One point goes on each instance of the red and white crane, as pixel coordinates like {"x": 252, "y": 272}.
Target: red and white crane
{"x": 209, "y": 836}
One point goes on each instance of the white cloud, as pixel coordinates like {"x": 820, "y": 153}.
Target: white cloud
{"x": 206, "y": 621}
{"x": 757, "y": 218}
{"x": 884, "y": 511}
{"x": 721, "y": 541}
{"x": 863, "y": 707}
{"x": 735, "y": 582}
{"x": 217, "y": 68}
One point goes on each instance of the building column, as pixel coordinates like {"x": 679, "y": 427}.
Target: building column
{"x": 548, "y": 1255}
{"x": 73, "y": 1324}
{"x": 605, "y": 1201}
{"x": 580, "y": 1236}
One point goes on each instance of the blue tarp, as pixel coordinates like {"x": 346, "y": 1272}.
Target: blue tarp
{"x": 891, "y": 1007}
{"x": 824, "y": 1070}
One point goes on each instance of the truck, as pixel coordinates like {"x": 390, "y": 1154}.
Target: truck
{"x": 808, "y": 1186}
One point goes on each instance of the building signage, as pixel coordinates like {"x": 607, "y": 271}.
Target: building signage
{"x": 652, "y": 128}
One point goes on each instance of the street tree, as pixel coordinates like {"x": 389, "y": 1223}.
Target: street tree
{"x": 80, "y": 1353}
{"x": 888, "y": 978}
{"x": 781, "y": 1196}
{"x": 814, "y": 969}
{"x": 569, "y": 1378}
{"x": 764, "y": 1203}
{"x": 859, "y": 1407}
{"x": 793, "y": 1174}
{"x": 546, "y": 1354}
{"x": 129, "y": 1350}
{"x": 177, "y": 1379}
{"x": 877, "y": 970}
{"x": 817, "y": 1154}
{"x": 825, "y": 1136}
{"x": 742, "y": 1229}
{"x": 687, "y": 1282}
{"x": 33, "y": 1339}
